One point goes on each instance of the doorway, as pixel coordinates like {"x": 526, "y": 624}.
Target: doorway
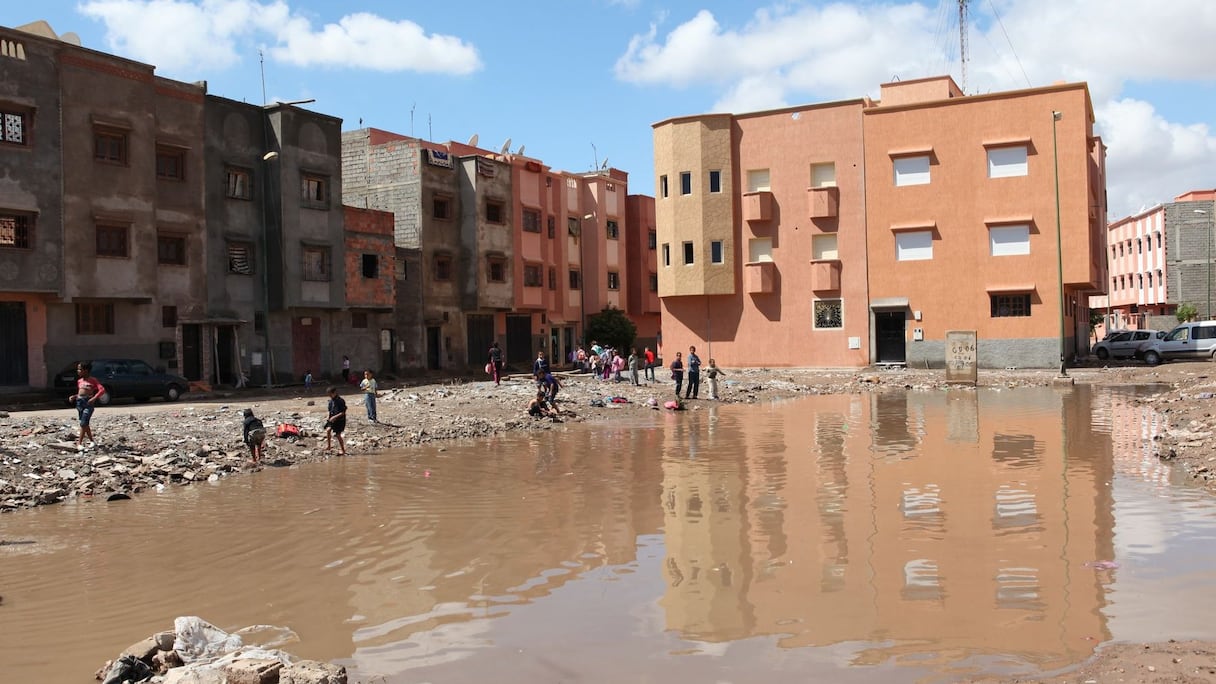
{"x": 432, "y": 347}
{"x": 889, "y": 336}
{"x": 13, "y": 345}
{"x": 479, "y": 334}
{"x": 192, "y": 351}
{"x": 305, "y": 345}
{"x": 519, "y": 340}
{"x": 225, "y": 355}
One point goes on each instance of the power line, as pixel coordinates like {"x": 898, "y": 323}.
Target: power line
{"x": 1010, "y": 42}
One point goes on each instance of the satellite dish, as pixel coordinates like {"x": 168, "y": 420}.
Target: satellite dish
{"x": 472, "y": 141}
{"x": 605, "y": 164}
{"x": 520, "y": 151}
{"x": 505, "y": 146}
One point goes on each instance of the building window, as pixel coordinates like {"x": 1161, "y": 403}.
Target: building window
{"x": 824, "y": 247}
{"x": 652, "y": 239}
{"x": 531, "y": 221}
{"x": 572, "y": 226}
{"x": 314, "y": 191}
{"x": 240, "y": 258}
{"x": 823, "y": 175}
{"x": 663, "y": 186}
{"x": 16, "y": 231}
{"x": 715, "y": 252}
{"x": 688, "y": 254}
{"x": 358, "y": 319}
{"x": 110, "y": 145}
{"x": 614, "y": 280}
{"x": 1009, "y": 240}
{"x": 654, "y": 282}
{"x": 370, "y": 266}
{"x": 576, "y": 279}
{"x": 685, "y": 183}
{"x": 112, "y": 241}
{"x": 715, "y": 181}
{"x": 443, "y": 267}
{"x": 1006, "y": 162}
{"x": 94, "y": 319}
{"x": 237, "y": 181}
{"x": 15, "y": 125}
{"x": 551, "y": 222}
{"x": 494, "y": 211}
{"x": 829, "y": 314}
{"x": 168, "y": 316}
{"x": 441, "y": 207}
{"x": 532, "y": 277}
{"x": 171, "y": 250}
{"x": 170, "y": 163}
{"x": 613, "y": 230}
{"x": 759, "y": 249}
{"x": 315, "y": 263}
{"x": 666, "y": 254}
{"x": 552, "y": 278}
{"x": 496, "y": 269}
{"x": 758, "y": 180}
{"x": 1010, "y": 305}
{"x": 914, "y": 246}
{"x": 259, "y": 322}
{"x": 911, "y": 170}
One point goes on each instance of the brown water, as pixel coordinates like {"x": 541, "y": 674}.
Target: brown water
{"x": 918, "y": 537}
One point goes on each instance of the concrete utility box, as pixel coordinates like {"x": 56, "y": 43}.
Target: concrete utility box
{"x": 962, "y": 363}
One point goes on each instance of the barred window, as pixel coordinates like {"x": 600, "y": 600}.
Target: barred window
{"x": 828, "y": 314}
{"x": 170, "y": 162}
{"x": 552, "y": 227}
{"x": 532, "y": 275}
{"x": 443, "y": 267}
{"x": 110, "y": 145}
{"x": 171, "y": 249}
{"x": 94, "y": 319}
{"x": 531, "y": 221}
{"x": 358, "y": 319}
{"x": 495, "y": 211}
{"x": 496, "y": 271}
{"x": 552, "y": 278}
{"x": 1010, "y": 305}
{"x": 16, "y": 230}
{"x": 614, "y": 280}
{"x": 112, "y": 241}
{"x": 240, "y": 258}
{"x": 315, "y": 263}
{"x": 314, "y": 191}
{"x": 613, "y": 230}
{"x": 168, "y": 316}
{"x": 237, "y": 181}
{"x": 576, "y": 279}
{"x": 14, "y": 127}
{"x": 572, "y": 225}
{"x": 652, "y": 239}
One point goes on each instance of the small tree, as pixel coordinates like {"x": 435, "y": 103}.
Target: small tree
{"x": 611, "y": 327}
{"x": 1186, "y": 312}
{"x": 1096, "y": 318}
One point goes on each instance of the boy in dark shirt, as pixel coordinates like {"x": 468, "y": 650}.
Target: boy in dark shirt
{"x": 254, "y": 435}
{"x": 335, "y": 425}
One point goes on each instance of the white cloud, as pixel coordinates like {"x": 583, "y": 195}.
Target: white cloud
{"x": 809, "y": 54}
{"x": 207, "y": 35}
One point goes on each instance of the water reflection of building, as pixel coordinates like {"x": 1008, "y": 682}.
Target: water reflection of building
{"x": 953, "y": 522}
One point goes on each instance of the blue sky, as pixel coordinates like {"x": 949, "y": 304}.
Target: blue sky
{"x": 580, "y": 81}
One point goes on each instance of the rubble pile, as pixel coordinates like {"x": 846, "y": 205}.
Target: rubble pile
{"x": 196, "y": 652}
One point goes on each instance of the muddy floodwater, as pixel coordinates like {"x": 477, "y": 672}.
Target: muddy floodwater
{"x": 927, "y": 536}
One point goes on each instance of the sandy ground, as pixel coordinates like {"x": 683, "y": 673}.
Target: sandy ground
{"x": 159, "y": 445}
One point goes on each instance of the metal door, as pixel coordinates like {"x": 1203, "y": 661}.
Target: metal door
{"x": 479, "y": 330}
{"x": 432, "y": 348}
{"x": 889, "y": 336}
{"x": 305, "y": 345}
{"x": 519, "y": 340}
{"x": 13, "y": 347}
{"x": 192, "y": 351}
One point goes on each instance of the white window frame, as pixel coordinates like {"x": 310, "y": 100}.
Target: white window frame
{"x": 1009, "y": 240}
{"x": 914, "y": 245}
{"x": 689, "y": 252}
{"x": 715, "y": 178}
{"x": 826, "y": 246}
{"x": 911, "y": 170}
{"x": 759, "y": 250}
{"x": 823, "y": 175}
{"x": 1008, "y": 161}
{"x": 716, "y": 246}
{"x": 759, "y": 180}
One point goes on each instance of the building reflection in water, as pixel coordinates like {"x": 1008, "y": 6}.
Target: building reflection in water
{"x": 951, "y": 523}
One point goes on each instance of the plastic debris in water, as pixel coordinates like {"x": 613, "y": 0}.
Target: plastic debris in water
{"x": 1102, "y": 565}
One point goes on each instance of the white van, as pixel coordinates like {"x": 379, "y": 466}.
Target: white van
{"x": 1195, "y": 340}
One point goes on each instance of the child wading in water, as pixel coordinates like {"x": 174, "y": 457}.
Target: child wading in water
{"x": 335, "y": 425}
{"x": 712, "y": 373}
{"x": 254, "y": 435}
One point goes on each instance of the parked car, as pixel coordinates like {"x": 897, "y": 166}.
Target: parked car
{"x": 1194, "y": 340}
{"x": 1124, "y": 344}
{"x": 124, "y": 378}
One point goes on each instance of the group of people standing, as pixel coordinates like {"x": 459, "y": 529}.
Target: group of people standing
{"x": 608, "y": 363}
{"x": 712, "y": 372}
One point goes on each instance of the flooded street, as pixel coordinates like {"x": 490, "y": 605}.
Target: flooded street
{"x": 923, "y": 536}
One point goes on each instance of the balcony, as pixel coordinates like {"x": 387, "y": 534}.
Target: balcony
{"x": 758, "y": 206}
{"x": 760, "y": 277}
{"x": 824, "y": 202}
{"x": 825, "y": 275}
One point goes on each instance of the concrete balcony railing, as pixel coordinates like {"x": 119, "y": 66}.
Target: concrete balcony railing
{"x": 758, "y": 206}
{"x": 760, "y": 277}
{"x": 824, "y": 202}
{"x": 825, "y": 275}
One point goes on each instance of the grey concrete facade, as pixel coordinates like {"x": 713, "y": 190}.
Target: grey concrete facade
{"x": 998, "y": 354}
{"x": 1189, "y": 250}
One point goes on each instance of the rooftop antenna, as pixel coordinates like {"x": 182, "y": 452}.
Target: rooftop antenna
{"x": 472, "y": 140}
{"x": 605, "y": 164}
{"x": 962, "y": 40}
{"x": 262, "y": 68}
{"x": 595, "y": 154}
{"x": 505, "y": 146}
{"x": 520, "y": 151}
{"x": 430, "y": 133}
{"x": 412, "y": 107}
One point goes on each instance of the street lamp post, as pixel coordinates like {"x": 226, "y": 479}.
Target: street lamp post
{"x": 266, "y": 209}
{"x": 1055, "y": 153}
{"x": 1208, "y": 228}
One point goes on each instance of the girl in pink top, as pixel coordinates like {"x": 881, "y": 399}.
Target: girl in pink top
{"x": 88, "y": 391}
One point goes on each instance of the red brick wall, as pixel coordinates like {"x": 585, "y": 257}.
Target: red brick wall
{"x": 369, "y": 231}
